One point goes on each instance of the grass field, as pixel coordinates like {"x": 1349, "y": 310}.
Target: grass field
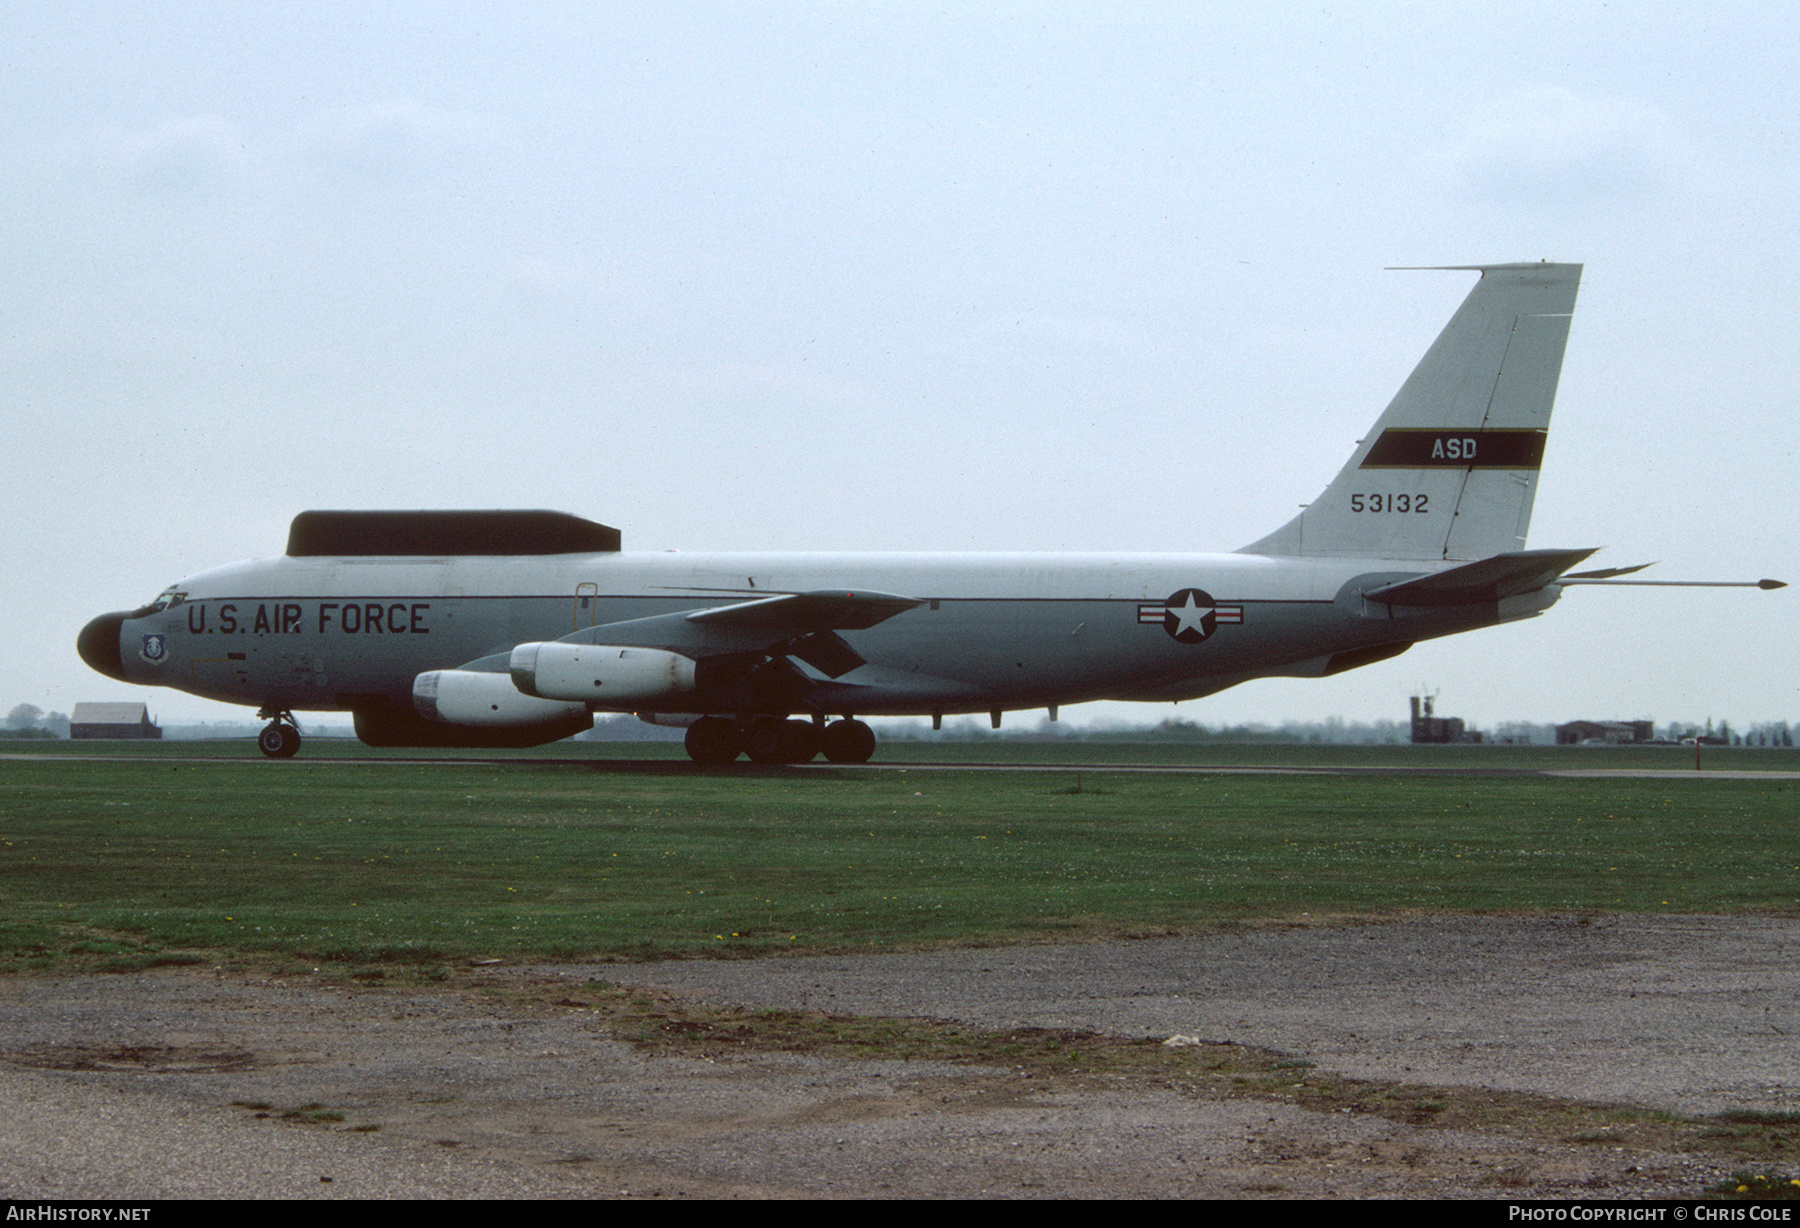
{"x": 160, "y": 856}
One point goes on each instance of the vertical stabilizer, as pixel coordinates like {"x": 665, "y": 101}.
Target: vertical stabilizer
{"x": 1450, "y": 470}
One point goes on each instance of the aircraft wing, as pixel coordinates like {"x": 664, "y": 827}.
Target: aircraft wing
{"x": 801, "y": 625}
{"x": 789, "y": 613}
{"x": 1490, "y": 579}
{"x": 805, "y": 625}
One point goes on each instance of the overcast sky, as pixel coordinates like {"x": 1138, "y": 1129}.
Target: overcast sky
{"x": 897, "y": 277}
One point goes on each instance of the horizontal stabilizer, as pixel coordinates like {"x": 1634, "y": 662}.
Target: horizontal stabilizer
{"x": 1491, "y": 579}
{"x": 1606, "y": 573}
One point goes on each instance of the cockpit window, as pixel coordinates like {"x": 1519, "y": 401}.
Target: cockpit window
{"x": 166, "y": 601}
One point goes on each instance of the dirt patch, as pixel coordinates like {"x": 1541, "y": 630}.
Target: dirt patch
{"x": 1319, "y": 1072}
{"x": 128, "y": 1057}
{"x": 1685, "y": 1013}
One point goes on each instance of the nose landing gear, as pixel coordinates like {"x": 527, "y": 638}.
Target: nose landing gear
{"x": 280, "y": 738}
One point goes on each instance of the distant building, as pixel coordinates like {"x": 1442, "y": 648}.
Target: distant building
{"x": 112, "y": 721}
{"x": 1611, "y": 733}
{"x": 1427, "y": 728}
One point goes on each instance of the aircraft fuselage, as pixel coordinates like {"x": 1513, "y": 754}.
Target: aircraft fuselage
{"x": 990, "y": 632}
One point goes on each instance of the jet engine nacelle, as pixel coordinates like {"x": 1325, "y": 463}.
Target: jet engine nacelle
{"x": 604, "y": 674}
{"x": 470, "y": 697}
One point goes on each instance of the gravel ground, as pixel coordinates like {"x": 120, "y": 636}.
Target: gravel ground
{"x": 173, "y": 1083}
{"x": 1690, "y": 1013}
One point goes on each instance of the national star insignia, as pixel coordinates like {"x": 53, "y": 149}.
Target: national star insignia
{"x": 1189, "y": 615}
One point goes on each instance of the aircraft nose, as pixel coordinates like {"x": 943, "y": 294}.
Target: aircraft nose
{"x": 98, "y": 645}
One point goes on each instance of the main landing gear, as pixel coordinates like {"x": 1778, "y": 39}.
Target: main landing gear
{"x": 280, "y": 738}
{"x": 718, "y": 739}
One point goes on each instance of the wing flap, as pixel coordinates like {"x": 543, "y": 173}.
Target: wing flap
{"x": 827, "y": 652}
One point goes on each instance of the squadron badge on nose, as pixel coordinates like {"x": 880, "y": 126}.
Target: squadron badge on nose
{"x": 1189, "y": 615}
{"x": 153, "y": 650}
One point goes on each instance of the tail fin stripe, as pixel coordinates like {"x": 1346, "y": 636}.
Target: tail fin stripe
{"x": 1498, "y": 447}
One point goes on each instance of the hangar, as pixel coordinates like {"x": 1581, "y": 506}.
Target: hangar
{"x": 1612, "y": 733}
{"x": 113, "y": 721}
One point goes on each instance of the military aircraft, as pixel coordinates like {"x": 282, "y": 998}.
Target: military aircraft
{"x": 512, "y": 628}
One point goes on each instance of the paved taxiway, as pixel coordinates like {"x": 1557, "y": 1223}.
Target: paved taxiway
{"x": 1199, "y": 769}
